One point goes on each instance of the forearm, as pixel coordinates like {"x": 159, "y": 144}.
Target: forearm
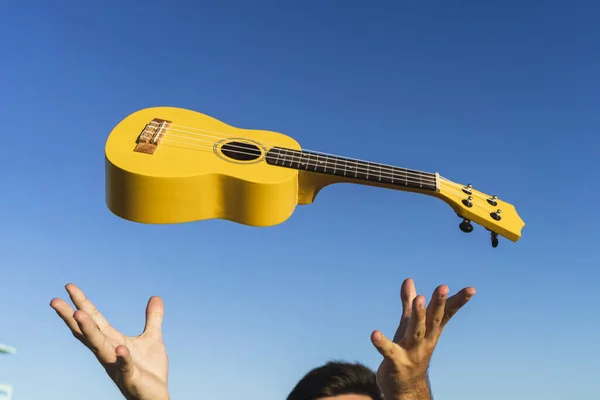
{"x": 415, "y": 390}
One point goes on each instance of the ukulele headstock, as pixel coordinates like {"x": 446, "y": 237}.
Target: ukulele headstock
{"x": 497, "y": 216}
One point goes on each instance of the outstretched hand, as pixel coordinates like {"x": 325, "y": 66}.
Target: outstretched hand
{"x": 138, "y": 365}
{"x": 403, "y": 371}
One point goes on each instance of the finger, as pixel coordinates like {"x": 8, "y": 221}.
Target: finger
{"x": 154, "y": 317}
{"x": 415, "y": 332}
{"x": 408, "y": 292}
{"x": 435, "y": 311}
{"x": 65, "y": 312}
{"x": 384, "y": 346}
{"x": 94, "y": 339}
{"x": 124, "y": 363}
{"x": 455, "y": 303}
{"x": 83, "y": 303}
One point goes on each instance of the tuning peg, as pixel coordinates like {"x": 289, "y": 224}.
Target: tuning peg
{"x": 496, "y": 215}
{"x": 468, "y": 202}
{"x": 493, "y": 200}
{"x": 494, "y": 239}
{"x": 466, "y": 226}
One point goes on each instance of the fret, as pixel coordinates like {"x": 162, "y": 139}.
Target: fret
{"x": 351, "y": 168}
{"x": 344, "y": 166}
{"x": 362, "y": 170}
{"x": 357, "y": 169}
{"x": 275, "y": 157}
{"x": 413, "y": 176}
{"x": 386, "y": 175}
{"x": 320, "y": 164}
{"x": 312, "y": 162}
{"x": 294, "y": 159}
{"x": 329, "y": 166}
{"x": 304, "y": 161}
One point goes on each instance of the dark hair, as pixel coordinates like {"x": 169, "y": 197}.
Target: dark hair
{"x": 334, "y": 379}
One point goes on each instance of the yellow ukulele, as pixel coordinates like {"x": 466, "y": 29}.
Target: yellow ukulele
{"x": 171, "y": 165}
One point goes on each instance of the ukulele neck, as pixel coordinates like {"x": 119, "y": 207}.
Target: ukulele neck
{"x": 373, "y": 173}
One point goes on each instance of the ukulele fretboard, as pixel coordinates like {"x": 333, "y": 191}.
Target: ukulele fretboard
{"x": 351, "y": 168}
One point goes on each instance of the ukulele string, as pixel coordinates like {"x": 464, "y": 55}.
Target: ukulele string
{"x": 271, "y": 144}
{"x": 455, "y": 191}
{"x": 356, "y": 163}
{"x": 325, "y": 164}
{"x": 202, "y": 132}
{"x": 461, "y": 187}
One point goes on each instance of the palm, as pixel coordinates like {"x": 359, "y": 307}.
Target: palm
{"x": 406, "y": 359}
{"x": 152, "y": 356}
{"x": 149, "y": 359}
{"x": 138, "y": 365}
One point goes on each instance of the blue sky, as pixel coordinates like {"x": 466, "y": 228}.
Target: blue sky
{"x": 503, "y": 94}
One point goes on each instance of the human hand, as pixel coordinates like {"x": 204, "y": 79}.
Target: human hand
{"x": 402, "y": 374}
{"x": 138, "y": 365}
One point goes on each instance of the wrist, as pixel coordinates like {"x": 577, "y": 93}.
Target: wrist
{"x": 414, "y": 389}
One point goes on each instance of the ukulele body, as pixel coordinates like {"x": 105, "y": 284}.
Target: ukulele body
{"x": 190, "y": 177}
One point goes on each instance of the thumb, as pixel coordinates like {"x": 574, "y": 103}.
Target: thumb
{"x": 124, "y": 363}
{"x": 384, "y": 346}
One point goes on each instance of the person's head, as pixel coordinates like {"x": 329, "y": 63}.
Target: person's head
{"x": 337, "y": 381}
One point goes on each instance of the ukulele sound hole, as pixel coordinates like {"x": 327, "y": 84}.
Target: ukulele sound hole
{"x": 241, "y": 151}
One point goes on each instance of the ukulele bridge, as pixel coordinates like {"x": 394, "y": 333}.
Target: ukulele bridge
{"x": 149, "y": 139}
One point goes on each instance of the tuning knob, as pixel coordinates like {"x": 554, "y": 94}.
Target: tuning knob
{"x": 468, "y": 202}
{"x": 494, "y": 239}
{"x": 496, "y": 215}
{"x": 466, "y": 226}
{"x": 493, "y": 200}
